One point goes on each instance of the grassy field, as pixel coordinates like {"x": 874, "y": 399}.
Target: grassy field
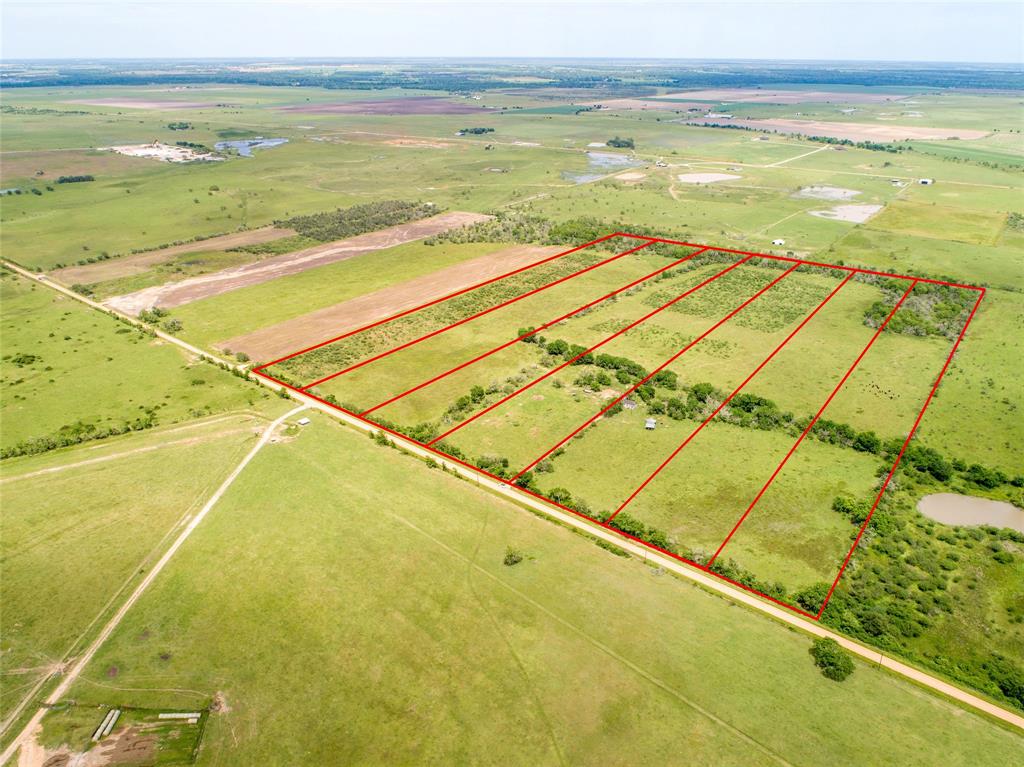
{"x": 231, "y": 314}
{"x": 385, "y": 613}
{"x": 69, "y": 370}
{"x": 383, "y": 578}
{"x": 82, "y": 524}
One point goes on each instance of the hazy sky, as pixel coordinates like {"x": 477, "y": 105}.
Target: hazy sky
{"x": 865, "y": 30}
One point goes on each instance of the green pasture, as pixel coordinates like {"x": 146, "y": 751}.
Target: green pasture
{"x": 67, "y": 366}
{"x": 82, "y": 525}
{"x": 401, "y": 596}
{"x": 792, "y": 536}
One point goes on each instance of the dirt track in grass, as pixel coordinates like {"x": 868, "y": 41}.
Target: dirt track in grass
{"x": 277, "y": 340}
{"x": 207, "y": 285}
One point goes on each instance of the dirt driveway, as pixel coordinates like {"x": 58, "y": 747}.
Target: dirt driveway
{"x": 277, "y": 340}
{"x": 143, "y": 262}
{"x": 184, "y": 292}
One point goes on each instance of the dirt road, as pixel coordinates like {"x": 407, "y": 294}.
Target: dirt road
{"x": 126, "y": 266}
{"x": 277, "y": 340}
{"x": 28, "y": 732}
{"x": 178, "y": 293}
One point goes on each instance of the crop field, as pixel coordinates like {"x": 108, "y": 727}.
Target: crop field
{"x": 517, "y": 378}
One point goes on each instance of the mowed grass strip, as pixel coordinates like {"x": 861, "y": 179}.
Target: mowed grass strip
{"x": 398, "y": 618}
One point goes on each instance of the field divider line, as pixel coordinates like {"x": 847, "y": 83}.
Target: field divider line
{"x": 729, "y": 399}
{"x": 899, "y": 457}
{"x": 590, "y": 350}
{"x": 814, "y": 420}
{"x": 443, "y": 298}
{"x": 536, "y": 330}
{"x": 475, "y": 316}
{"x": 805, "y": 262}
{"x": 663, "y": 365}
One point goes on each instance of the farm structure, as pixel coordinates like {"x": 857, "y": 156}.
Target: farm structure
{"x": 523, "y": 380}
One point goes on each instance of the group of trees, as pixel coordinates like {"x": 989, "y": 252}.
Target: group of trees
{"x": 475, "y": 131}
{"x": 358, "y": 219}
{"x": 930, "y": 310}
{"x": 621, "y": 143}
{"x": 75, "y": 179}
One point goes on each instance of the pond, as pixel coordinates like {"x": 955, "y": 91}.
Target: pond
{"x": 245, "y": 146}
{"x": 605, "y": 162}
{"x": 954, "y": 509}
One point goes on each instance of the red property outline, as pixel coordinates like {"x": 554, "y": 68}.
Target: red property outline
{"x": 477, "y": 315}
{"x": 533, "y": 332}
{"x": 444, "y": 457}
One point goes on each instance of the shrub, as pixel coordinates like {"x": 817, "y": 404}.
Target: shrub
{"x": 512, "y": 557}
{"x": 834, "y": 662}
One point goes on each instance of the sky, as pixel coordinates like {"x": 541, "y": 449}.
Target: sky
{"x": 869, "y": 30}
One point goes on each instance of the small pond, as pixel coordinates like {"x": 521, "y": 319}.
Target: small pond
{"x": 954, "y": 509}
{"x": 245, "y": 146}
{"x": 600, "y": 164}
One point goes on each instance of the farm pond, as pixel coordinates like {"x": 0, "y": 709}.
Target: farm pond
{"x": 955, "y": 509}
{"x": 600, "y": 164}
{"x": 245, "y": 146}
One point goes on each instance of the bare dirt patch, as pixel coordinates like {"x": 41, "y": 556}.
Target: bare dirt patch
{"x": 759, "y": 96}
{"x": 853, "y": 214}
{"x": 416, "y": 105}
{"x": 827, "y": 193}
{"x": 663, "y": 106}
{"x": 163, "y": 152}
{"x": 178, "y": 293}
{"x": 159, "y": 105}
{"x": 631, "y": 177}
{"x": 417, "y": 143}
{"x": 849, "y": 131}
{"x": 705, "y": 178}
{"x": 276, "y": 340}
{"x": 127, "y": 266}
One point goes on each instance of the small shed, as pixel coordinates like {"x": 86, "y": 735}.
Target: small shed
{"x": 778, "y": 242}
{"x": 926, "y": 181}
{"x": 303, "y": 422}
{"x": 649, "y": 424}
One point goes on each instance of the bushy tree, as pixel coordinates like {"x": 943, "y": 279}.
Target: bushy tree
{"x": 834, "y": 662}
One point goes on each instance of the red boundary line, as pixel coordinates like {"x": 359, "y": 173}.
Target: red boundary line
{"x": 896, "y": 463}
{"x": 504, "y": 480}
{"x": 814, "y": 420}
{"x": 585, "y": 352}
{"x": 729, "y": 399}
{"x": 533, "y": 332}
{"x": 854, "y": 269}
{"x": 662, "y": 366}
{"x": 704, "y": 568}
{"x": 472, "y": 317}
{"x": 435, "y": 301}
